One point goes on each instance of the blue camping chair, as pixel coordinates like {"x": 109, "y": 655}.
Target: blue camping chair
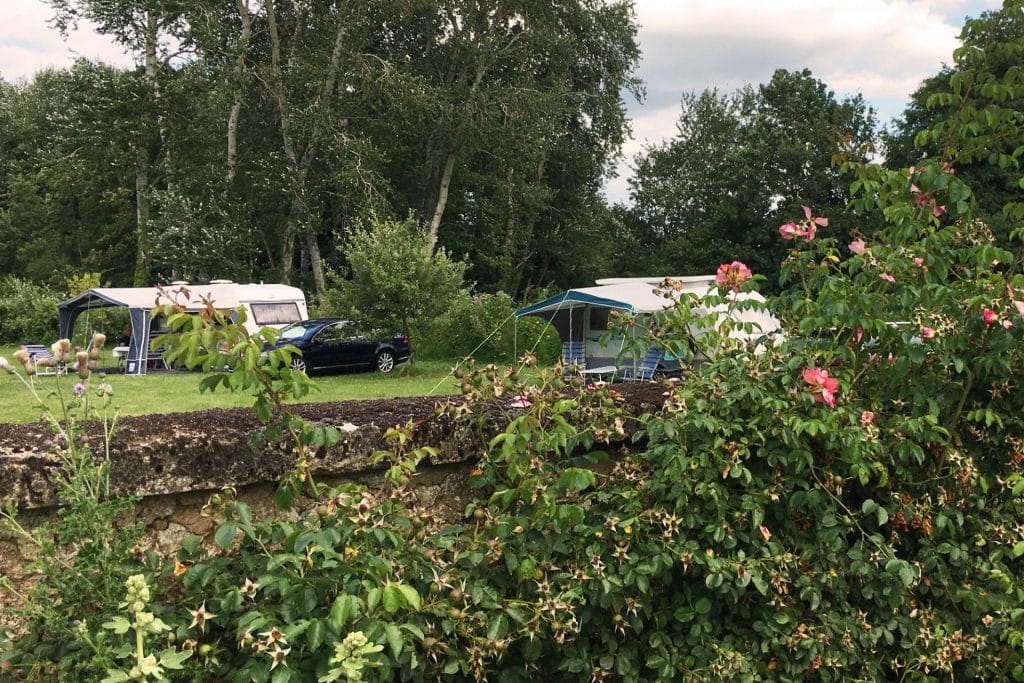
{"x": 39, "y": 352}
{"x": 573, "y": 355}
{"x": 648, "y": 366}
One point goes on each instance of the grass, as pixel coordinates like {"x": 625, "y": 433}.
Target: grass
{"x": 178, "y": 391}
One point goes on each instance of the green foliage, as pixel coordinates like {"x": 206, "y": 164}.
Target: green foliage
{"x": 396, "y": 281}
{"x": 83, "y": 557}
{"x": 28, "y": 311}
{"x": 483, "y": 326}
{"x": 495, "y": 125}
{"x": 979, "y": 96}
{"x": 739, "y": 163}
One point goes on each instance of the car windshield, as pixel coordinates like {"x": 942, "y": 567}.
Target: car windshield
{"x": 297, "y": 330}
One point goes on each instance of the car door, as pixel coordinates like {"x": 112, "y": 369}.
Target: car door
{"x": 361, "y": 349}
{"x": 327, "y": 348}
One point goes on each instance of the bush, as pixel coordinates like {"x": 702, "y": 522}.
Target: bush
{"x": 483, "y": 325}
{"x": 396, "y": 280}
{"x": 28, "y": 312}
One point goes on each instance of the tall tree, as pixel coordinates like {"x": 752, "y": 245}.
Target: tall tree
{"x": 941, "y": 114}
{"x": 739, "y": 166}
{"x": 139, "y": 26}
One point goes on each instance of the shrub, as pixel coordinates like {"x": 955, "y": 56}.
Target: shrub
{"x": 397, "y": 280}
{"x": 28, "y": 311}
{"x": 483, "y": 326}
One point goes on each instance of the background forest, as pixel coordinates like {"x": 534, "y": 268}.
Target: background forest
{"x": 257, "y": 140}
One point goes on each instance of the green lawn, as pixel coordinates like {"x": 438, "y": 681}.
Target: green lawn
{"x": 176, "y": 391}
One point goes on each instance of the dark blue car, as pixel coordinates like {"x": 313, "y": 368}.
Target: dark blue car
{"x": 333, "y": 344}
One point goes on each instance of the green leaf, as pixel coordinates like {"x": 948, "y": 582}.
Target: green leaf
{"x": 174, "y": 659}
{"x": 225, "y": 534}
{"x": 115, "y": 676}
{"x": 344, "y": 608}
{"x": 118, "y": 625}
{"x": 412, "y": 598}
{"x": 315, "y": 636}
{"x": 394, "y": 638}
{"x": 393, "y": 599}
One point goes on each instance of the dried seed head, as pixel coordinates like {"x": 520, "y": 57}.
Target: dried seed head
{"x": 83, "y": 364}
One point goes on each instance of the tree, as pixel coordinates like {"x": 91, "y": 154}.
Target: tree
{"x": 66, "y": 205}
{"x": 738, "y": 165}
{"x": 396, "y": 279}
{"x": 944, "y": 111}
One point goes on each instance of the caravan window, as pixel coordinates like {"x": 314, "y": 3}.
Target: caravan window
{"x": 275, "y": 314}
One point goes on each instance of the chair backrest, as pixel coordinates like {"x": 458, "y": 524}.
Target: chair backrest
{"x": 38, "y": 352}
{"x": 573, "y": 354}
{"x": 648, "y": 364}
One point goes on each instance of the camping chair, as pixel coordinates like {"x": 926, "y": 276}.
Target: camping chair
{"x": 573, "y": 356}
{"x": 39, "y": 352}
{"x": 648, "y": 365}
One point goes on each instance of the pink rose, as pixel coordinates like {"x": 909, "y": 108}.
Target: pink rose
{"x": 857, "y": 246}
{"x": 866, "y": 418}
{"x": 928, "y": 333}
{"x": 1007, "y": 324}
{"x": 888, "y": 278}
{"x": 822, "y": 386}
{"x": 790, "y": 231}
{"x": 918, "y": 261}
{"x": 989, "y": 316}
{"x": 732, "y": 275}
{"x": 823, "y": 222}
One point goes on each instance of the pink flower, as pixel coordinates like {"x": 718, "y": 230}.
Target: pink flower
{"x": 804, "y": 230}
{"x": 888, "y": 278}
{"x": 928, "y": 333}
{"x": 857, "y": 246}
{"x": 938, "y": 211}
{"x": 1019, "y": 305}
{"x": 790, "y": 231}
{"x": 78, "y": 389}
{"x": 822, "y": 386}
{"x": 866, "y": 418}
{"x": 732, "y": 275}
{"x": 823, "y": 222}
{"x": 1006, "y": 324}
{"x": 918, "y": 261}
{"x": 989, "y": 316}
{"x": 519, "y": 402}
{"x": 767, "y": 535}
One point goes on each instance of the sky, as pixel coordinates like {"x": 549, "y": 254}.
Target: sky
{"x": 881, "y": 49}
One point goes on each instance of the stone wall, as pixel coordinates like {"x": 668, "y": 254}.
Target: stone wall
{"x": 175, "y": 462}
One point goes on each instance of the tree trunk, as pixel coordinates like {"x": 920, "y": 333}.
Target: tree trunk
{"x": 153, "y": 81}
{"x": 141, "y": 277}
{"x": 442, "y": 201}
{"x": 240, "y": 83}
{"x": 445, "y": 180}
{"x": 298, "y": 215}
{"x": 315, "y": 263}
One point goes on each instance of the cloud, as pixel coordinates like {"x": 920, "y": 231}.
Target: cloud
{"x": 28, "y": 43}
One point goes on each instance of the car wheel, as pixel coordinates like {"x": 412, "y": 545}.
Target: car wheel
{"x": 298, "y": 364}
{"x": 385, "y": 361}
